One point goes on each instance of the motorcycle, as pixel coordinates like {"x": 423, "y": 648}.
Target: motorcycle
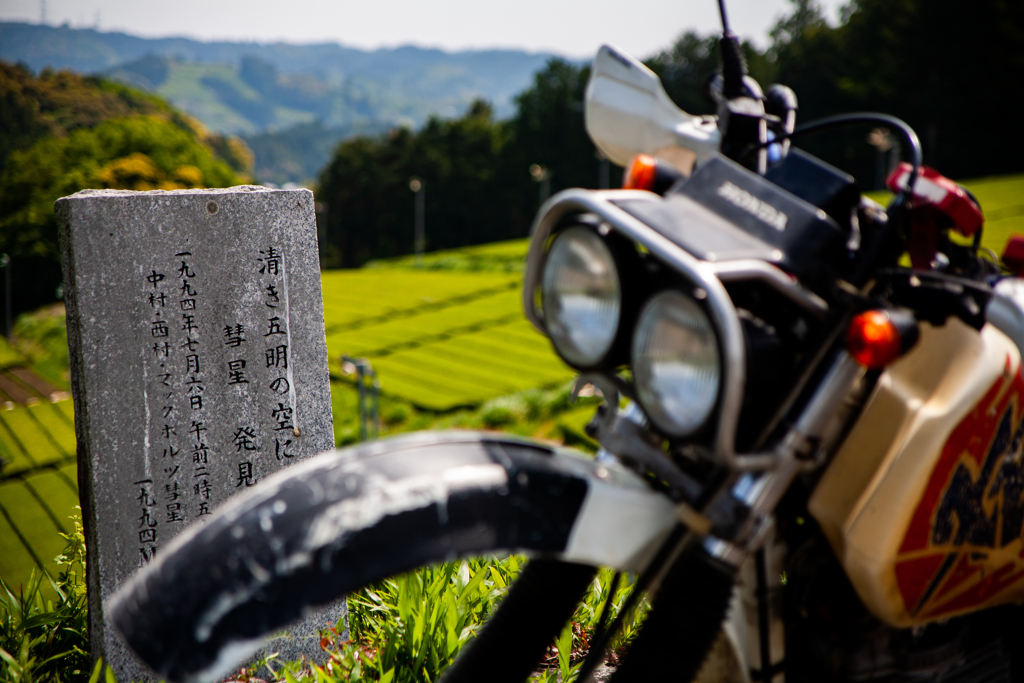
{"x": 810, "y": 450}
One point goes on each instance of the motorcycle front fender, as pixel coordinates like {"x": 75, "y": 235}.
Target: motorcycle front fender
{"x": 337, "y": 522}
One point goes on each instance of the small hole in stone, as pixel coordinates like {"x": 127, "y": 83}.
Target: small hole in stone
{"x": 211, "y": 207}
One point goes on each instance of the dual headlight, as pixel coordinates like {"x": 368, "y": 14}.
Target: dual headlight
{"x": 675, "y": 357}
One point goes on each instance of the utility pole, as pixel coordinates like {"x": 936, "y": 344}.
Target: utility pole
{"x": 420, "y": 236}
{"x": 542, "y": 175}
{"x": 5, "y": 263}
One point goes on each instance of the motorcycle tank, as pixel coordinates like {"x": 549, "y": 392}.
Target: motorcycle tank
{"x": 923, "y": 502}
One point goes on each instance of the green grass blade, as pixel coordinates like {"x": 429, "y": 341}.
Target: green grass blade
{"x": 96, "y": 671}
{"x": 564, "y": 644}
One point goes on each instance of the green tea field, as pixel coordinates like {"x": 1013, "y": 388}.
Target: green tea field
{"x": 438, "y": 339}
{"x": 38, "y": 478}
{"x": 447, "y": 339}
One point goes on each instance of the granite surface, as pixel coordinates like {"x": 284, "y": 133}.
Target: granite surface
{"x": 198, "y": 367}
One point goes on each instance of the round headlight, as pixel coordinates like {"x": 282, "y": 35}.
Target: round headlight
{"x": 675, "y": 363}
{"x": 581, "y": 296}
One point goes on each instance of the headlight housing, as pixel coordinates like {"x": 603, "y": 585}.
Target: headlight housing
{"x": 676, "y": 364}
{"x": 581, "y": 296}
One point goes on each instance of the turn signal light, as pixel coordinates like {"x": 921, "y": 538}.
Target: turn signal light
{"x": 877, "y": 338}
{"x": 648, "y": 173}
{"x": 641, "y": 173}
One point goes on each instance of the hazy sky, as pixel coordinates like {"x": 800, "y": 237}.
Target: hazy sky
{"x": 568, "y": 27}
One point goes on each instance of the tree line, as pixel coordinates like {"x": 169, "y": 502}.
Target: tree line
{"x": 474, "y": 170}
{"x": 947, "y": 67}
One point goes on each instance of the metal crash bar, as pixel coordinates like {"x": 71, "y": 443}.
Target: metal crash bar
{"x": 708, "y": 276}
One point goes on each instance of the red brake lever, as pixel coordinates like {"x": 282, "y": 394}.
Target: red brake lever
{"x": 935, "y": 190}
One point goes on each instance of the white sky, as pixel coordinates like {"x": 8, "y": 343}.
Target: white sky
{"x": 569, "y": 27}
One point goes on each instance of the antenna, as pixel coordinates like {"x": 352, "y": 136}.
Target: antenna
{"x": 42, "y": 12}
{"x": 725, "y": 21}
{"x": 734, "y": 67}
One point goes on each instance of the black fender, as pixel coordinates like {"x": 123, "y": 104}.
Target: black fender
{"x": 337, "y": 522}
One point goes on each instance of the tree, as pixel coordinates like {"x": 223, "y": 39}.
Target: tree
{"x": 684, "y": 69}
{"x": 548, "y": 129}
{"x": 370, "y": 205}
{"x": 61, "y": 132}
{"x": 476, "y": 173}
{"x": 903, "y": 57}
{"x": 948, "y": 68}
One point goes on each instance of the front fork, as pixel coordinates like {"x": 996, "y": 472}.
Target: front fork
{"x": 692, "y": 578}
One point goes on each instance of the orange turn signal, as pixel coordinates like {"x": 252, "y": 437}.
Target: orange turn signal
{"x": 641, "y": 174}
{"x": 874, "y": 339}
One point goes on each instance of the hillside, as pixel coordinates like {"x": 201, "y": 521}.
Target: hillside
{"x": 235, "y": 87}
{"x": 61, "y": 132}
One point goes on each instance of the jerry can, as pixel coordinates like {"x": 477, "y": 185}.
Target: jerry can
{"x": 923, "y": 502}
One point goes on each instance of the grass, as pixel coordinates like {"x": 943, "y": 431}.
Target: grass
{"x": 438, "y": 365}
{"x": 437, "y": 339}
{"x": 406, "y": 629}
{"x": 43, "y": 624}
{"x": 8, "y": 355}
{"x": 410, "y": 628}
{"x": 507, "y": 257}
{"x": 1002, "y": 200}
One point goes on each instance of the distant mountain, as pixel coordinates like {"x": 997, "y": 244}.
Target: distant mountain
{"x": 296, "y": 154}
{"x": 253, "y": 87}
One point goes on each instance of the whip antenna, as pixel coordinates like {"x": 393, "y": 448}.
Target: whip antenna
{"x": 725, "y": 22}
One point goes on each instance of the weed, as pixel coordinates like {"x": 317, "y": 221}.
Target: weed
{"x": 408, "y": 629}
{"x": 46, "y": 640}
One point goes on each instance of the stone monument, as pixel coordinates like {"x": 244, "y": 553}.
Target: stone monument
{"x": 198, "y": 367}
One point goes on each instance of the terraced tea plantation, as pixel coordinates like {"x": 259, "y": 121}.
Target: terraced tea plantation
{"x": 446, "y": 338}
{"x": 438, "y": 339}
{"x": 38, "y": 481}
